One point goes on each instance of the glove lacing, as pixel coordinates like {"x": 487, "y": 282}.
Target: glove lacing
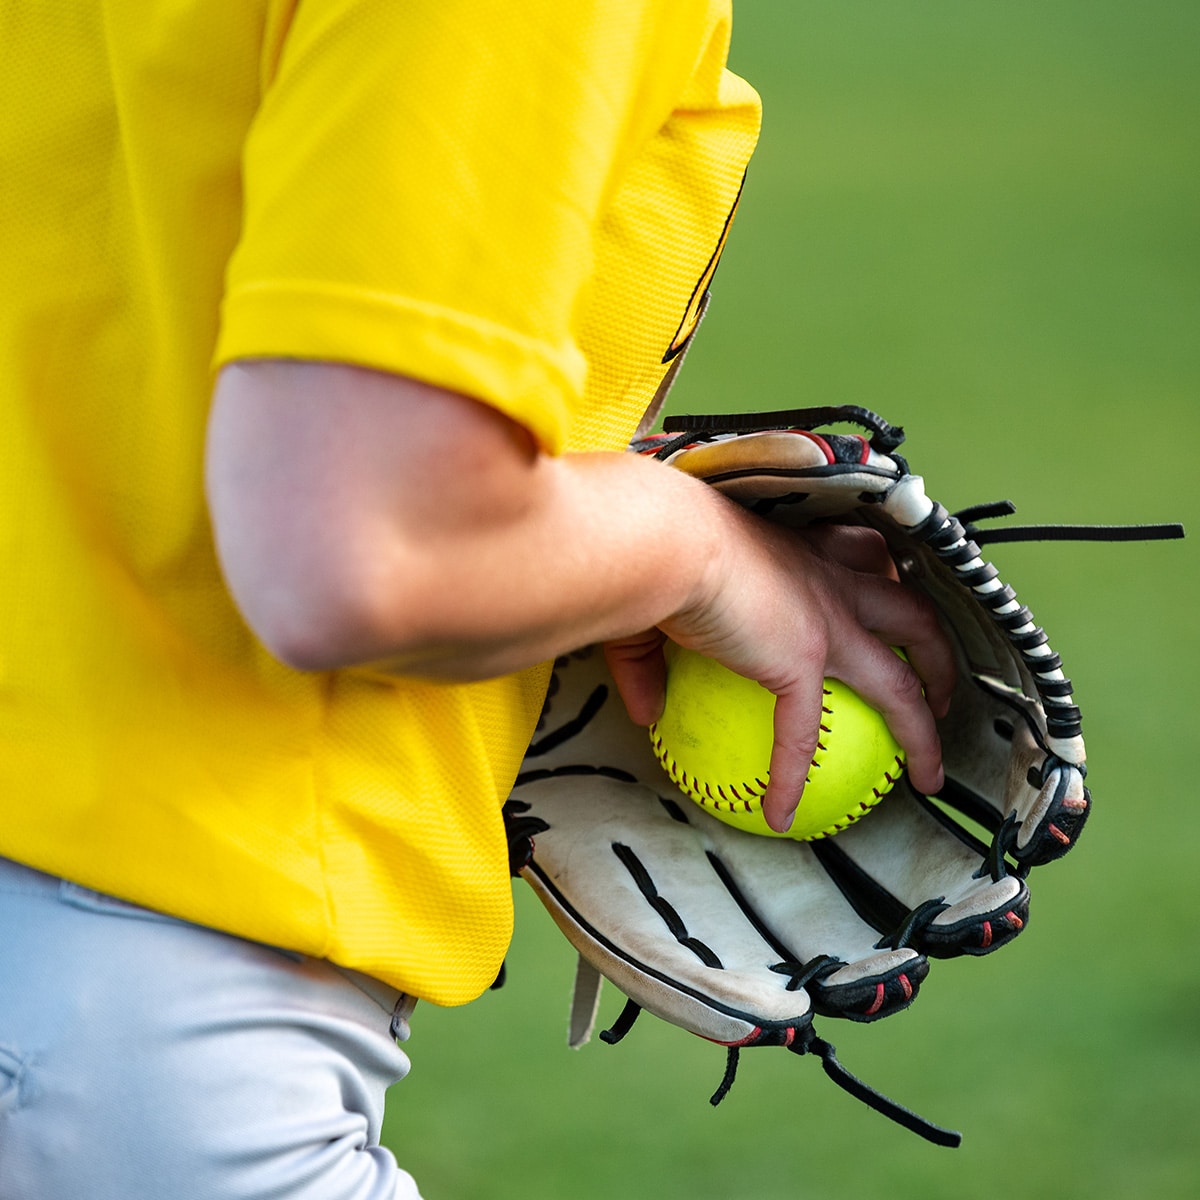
{"x": 807, "y": 1041}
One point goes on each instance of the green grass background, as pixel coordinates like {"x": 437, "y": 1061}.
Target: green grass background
{"x": 981, "y": 219}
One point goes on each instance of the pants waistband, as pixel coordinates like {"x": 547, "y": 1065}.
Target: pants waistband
{"x": 16, "y": 877}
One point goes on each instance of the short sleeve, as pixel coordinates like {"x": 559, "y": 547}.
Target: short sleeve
{"x": 424, "y": 185}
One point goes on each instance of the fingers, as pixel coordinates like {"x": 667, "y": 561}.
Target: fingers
{"x": 910, "y": 695}
{"x": 792, "y": 609}
{"x": 888, "y": 684}
{"x": 853, "y": 546}
{"x": 856, "y": 656}
{"x": 865, "y": 612}
{"x": 898, "y": 615}
{"x": 904, "y": 618}
{"x": 797, "y": 724}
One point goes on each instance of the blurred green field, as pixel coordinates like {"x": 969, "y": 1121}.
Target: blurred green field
{"x": 983, "y": 220}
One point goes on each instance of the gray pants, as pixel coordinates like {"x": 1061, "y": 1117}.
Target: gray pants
{"x": 143, "y": 1058}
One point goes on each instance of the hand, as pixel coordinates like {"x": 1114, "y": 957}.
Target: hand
{"x": 366, "y": 520}
{"x": 788, "y": 609}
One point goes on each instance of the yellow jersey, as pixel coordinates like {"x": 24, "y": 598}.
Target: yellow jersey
{"x": 523, "y": 203}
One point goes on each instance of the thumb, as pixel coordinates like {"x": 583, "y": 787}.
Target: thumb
{"x": 639, "y": 670}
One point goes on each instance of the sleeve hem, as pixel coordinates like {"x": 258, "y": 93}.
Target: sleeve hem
{"x": 536, "y": 384}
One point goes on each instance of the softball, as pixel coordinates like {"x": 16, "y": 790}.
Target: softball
{"x": 714, "y": 741}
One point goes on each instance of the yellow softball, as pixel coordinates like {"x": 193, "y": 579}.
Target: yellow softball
{"x": 714, "y": 741}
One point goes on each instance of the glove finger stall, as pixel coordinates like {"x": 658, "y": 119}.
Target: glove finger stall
{"x": 922, "y": 880}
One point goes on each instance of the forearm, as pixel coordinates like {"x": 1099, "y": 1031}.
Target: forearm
{"x": 422, "y": 533}
{"x": 602, "y": 547}
{"x": 366, "y": 520}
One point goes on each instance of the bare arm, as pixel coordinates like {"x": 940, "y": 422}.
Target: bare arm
{"x": 363, "y": 518}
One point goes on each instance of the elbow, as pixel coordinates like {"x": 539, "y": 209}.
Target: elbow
{"x": 305, "y": 637}
{"x": 324, "y": 616}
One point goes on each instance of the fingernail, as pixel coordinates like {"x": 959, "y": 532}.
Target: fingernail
{"x": 788, "y": 818}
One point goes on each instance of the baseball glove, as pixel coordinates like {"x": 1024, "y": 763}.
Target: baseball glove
{"x": 742, "y": 939}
